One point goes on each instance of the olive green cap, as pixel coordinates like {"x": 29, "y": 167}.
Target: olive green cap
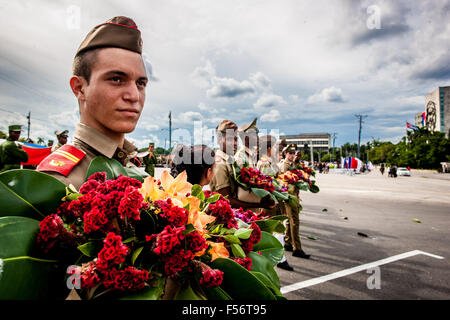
{"x": 117, "y": 32}
{"x": 62, "y": 133}
{"x": 151, "y": 144}
{"x": 15, "y": 127}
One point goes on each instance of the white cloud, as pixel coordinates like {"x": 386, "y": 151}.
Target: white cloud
{"x": 229, "y": 88}
{"x": 331, "y": 94}
{"x": 260, "y": 80}
{"x": 269, "y": 101}
{"x": 271, "y": 116}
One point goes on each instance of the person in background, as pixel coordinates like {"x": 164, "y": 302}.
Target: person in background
{"x": 12, "y": 153}
{"x": 150, "y": 160}
{"x": 61, "y": 136}
{"x": 248, "y": 152}
{"x": 198, "y": 161}
{"x": 267, "y": 165}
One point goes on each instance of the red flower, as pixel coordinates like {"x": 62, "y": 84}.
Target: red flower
{"x": 113, "y": 252}
{"x": 245, "y": 262}
{"x": 222, "y": 210}
{"x": 131, "y": 204}
{"x": 96, "y": 220}
{"x": 129, "y": 279}
{"x": 98, "y": 176}
{"x": 50, "y": 230}
{"x": 176, "y": 216}
{"x": 211, "y": 278}
{"x": 89, "y": 276}
{"x": 89, "y": 186}
{"x": 255, "y": 237}
{"x": 195, "y": 241}
{"x": 175, "y": 263}
{"x": 169, "y": 239}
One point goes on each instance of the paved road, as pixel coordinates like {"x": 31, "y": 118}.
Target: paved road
{"x": 382, "y": 208}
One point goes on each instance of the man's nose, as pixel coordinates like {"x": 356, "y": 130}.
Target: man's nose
{"x": 132, "y": 93}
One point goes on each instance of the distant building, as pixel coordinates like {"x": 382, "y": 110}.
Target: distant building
{"x": 419, "y": 119}
{"x": 318, "y": 141}
{"x": 437, "y": 110}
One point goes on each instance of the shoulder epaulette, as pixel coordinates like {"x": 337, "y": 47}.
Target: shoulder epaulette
{"x": 62, "y": 160}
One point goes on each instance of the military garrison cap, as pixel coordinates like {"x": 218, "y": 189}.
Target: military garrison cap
{"x": 248, "y": 127}
{"x": 290, "y": 148}
{"x": 117, "y": 32}
{"x": 151, "y": 144}
{"x": 225, "y": 125}
{"x": 62, "y": 133}
{"x": 15, "y": 127}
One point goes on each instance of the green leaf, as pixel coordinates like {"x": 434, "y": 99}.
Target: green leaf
{"x": 91, "y": 248}
{"x": 281, "y": 195}
{"x": 22, "y": 194}
{"x": 243, "y": 233}
{"x": 232, "y": 239}
{"x": 197, "y": 191}
{"x": 263, "y": 265}
{"x": 239, "y": 283}
{"x": 112, "y": 167}
{"x": 260, "y": 192}
{"x": 269, "y": 284}
{"x": 148, "y": 293}
{"x": 271, "y": 224}
{"x": 187, "y": 293}
{"x": 216, "y": 293}
{"x": 136, "y": 254}
{"x": 314, "y": 188}
{"x": 270, "y": 248}
{"x": 28, "y": 278}
{"x": 213, "y": 199}
{"x": 135, "y": 173}
{"x": 242, "y": 224}
{"x": 17, "y": 236}
{"x": 129, "y": 240}
{"x": 237, "y": 250}
{"x": 189, "y": 228}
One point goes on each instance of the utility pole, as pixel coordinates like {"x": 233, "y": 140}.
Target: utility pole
{"x": 360, "y": 116}
{"x": 29, "y": 123}
{"x": 312, "y": 154}
{"x": 170, "y": 130}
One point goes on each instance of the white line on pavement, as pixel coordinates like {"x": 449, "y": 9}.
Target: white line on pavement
{"x": 346, "y": 272}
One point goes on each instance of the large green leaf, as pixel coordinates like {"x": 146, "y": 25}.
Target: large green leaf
{"x": 29, "y": 193}
{"x": 216, "y": 293}
{"x": 264, "y": 279}
{"x": 148, "y": 293}
{"x": 273, "y": 224}
{"x": 187, "y": 293}
{"x": 135, "y": 173}
{"x": 27, "y": 278}
{"x": 17, "y": 236}
{"x": 270, "y": 248}
{"x": 263, "y": 265}
{"x": 239, "y": 283}
{"x": 112, "y": 167}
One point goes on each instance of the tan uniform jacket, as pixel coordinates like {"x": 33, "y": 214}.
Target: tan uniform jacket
{"x": 244, "y": 155}
{"x": 223, "y": 176}
{"x": 267, "y": 166}
{"x": 94, "y": 144}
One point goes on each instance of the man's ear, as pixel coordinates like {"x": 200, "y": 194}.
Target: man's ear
{"x": 78, "y": 85}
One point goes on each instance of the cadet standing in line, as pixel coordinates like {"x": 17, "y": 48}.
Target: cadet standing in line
{"x": 248, "y": 152}
{"x": 11, "y": 153}
{"x": 292, "y": 238}
{"x": 61, "y": 136}
{"x": 150, "y": 160}
{"x": 109, "y": 81}
{"x": 223, "y": 181}
{"x": 267, "y": 165}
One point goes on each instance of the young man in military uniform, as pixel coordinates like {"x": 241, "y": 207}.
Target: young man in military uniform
{"x": 61, "y": 136}
{"x": 267, "y": 165}
{"x": 150, "y": 160}
{"x": 223, "y": 181}
{"x": 109, "y": 81}
{"x": 292, "y": 238}
{"x": 11, "y": 153}
{"x": 248, "y": 152}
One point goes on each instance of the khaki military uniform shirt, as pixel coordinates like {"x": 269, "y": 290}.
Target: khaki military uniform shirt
{"x": 285, "y": 164}
{"x": 56, "y": 147}
{"x": 245, "y": 155}
{"x": 94, "y": 144}
{"x": 266, "y": 165}
{"x": 223, "y": 176}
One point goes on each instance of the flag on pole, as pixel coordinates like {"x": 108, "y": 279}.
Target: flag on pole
{"x": 36, "y": 153}
{"x": 411, "y": 126}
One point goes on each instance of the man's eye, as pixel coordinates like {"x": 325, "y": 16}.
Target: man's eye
{"x": 142, "y": 83}
{"x": 115, "y": 79}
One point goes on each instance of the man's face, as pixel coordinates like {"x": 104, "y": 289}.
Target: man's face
{"x": 151, "y": 148}
{"x": 290, "y": 155}
{"x": 62, "y": 139}
{"x": 229, "y": 142}
{"x": 114, "y": 98}
{"x": 14, "y": 135}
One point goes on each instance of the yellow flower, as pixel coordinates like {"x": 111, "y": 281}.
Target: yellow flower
{"x": 218, "y": 250}
{"x": 175, "y": 188}
{"x": 150, "y": 190}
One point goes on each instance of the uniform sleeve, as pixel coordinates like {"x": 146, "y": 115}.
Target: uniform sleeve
{"x": 12, "y": 151}
{"x": 222, "y": 178}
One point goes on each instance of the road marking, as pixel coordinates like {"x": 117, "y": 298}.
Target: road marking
{"x": 346, "y": 272}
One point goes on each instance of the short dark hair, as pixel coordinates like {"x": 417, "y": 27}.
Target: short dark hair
{"x": 83, "y": 63}
{"x": 185, "y": 160}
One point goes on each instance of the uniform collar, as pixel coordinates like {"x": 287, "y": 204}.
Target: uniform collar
{"x": 101, "y": 142}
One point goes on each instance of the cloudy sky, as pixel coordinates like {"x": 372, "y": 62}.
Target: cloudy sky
{"x": 298, "y": 66}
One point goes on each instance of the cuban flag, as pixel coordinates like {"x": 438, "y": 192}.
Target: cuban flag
{"x": 410, "y": 126}
{"x": 424, "y": 119}
{"x": 36, "y": 153}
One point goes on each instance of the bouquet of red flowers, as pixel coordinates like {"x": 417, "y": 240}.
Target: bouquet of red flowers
{"x": 299, "y": 179}
{"x": 123, "y": 238}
